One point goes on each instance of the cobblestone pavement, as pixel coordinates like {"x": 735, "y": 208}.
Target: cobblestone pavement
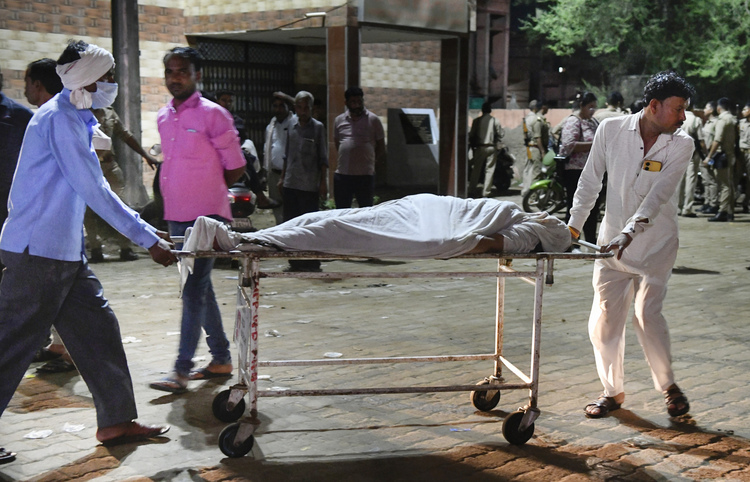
{"x": 416, "y": 437}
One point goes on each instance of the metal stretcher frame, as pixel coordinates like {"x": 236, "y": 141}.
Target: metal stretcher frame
{"x": 236, "y": 440}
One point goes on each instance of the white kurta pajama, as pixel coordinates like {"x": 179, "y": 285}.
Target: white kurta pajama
{"x": 633, "y": 193}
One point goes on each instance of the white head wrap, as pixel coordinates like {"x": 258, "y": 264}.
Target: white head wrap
{"x": 94, "y": 62}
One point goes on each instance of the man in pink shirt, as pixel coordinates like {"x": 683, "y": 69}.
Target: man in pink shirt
{"x": 202, "y": 156}
{"x": 360, "y": 140}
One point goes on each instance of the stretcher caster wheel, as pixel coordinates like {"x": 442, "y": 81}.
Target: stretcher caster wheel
{"x": 226, "y": 442}
{"x": 221, "y": 411}
{"x": 485, "y": 400}
{"x": 510, "y": 429}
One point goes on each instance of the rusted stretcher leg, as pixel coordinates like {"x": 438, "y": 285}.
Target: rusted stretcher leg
{"x": 237, "y": 439}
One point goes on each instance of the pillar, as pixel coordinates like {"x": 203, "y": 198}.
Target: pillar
{"x": 128, "y": 103}
{"x": 454, "y": 111}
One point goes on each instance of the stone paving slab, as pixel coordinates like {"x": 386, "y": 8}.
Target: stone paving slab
{"x": 425, "y": 436}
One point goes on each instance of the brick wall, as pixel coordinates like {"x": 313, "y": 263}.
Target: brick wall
{"x": 393, "y": 75}
{"x": 30, "y": 30}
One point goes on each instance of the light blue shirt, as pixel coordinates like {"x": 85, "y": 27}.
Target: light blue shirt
{"x": 58, "y": 174}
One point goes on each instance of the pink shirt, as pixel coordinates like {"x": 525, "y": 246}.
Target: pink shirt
{"x": 199, "y": 143}
{"x": 357, "y": 140}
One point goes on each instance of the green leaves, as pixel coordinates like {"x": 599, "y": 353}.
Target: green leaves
{"x": 707, "y": 39}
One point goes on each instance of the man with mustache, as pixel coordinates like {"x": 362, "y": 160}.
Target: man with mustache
{"x": 645, "y": 156}
{"x": 360, "y": 142}
{"x": 202, "y": 157}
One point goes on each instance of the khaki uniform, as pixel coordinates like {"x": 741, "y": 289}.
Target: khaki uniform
{"x": 608, "y": 112}
{"x": 97, "y": 230}
{"x": 485, "y": 135}
{"x": 694, "y": 127}
{"x": 538, "y": 128}
{"x": 708, "y": 174}
{"x": 725, "y": 134}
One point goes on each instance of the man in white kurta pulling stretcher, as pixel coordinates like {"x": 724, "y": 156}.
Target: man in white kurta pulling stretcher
{"x": 645, "y": 156}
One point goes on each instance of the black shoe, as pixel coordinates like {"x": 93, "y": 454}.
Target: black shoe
{"x": 721, "y": 217}
{"x": 45, "y": 355}
{"x": 690, "y": 215}
{"x": 127, "y": 254}
{"x": 96, "y": 256}
{"x": 711, "y": 210}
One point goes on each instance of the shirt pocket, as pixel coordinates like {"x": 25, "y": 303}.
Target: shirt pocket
{"x": 193, "y": 143}
{"x": 308, "y": 149}
{"x": 645, "y": 181}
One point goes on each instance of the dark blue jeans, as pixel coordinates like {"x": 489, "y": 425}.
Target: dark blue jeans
{"x": 199, "y": 311}
{"x": 36, "y": 293}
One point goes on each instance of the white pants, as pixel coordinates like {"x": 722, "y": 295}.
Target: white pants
{"x": 613, "y": 294}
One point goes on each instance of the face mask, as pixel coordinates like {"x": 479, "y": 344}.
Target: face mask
{"x": 104, "y": 96}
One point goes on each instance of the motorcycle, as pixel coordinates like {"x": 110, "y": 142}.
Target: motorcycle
{"x": 242, "y": 201}
{"x": 504, "y": 169}
{"x": 547, "y": 194}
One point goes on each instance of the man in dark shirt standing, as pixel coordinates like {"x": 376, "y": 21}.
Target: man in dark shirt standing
{"x": 13, "y": 120}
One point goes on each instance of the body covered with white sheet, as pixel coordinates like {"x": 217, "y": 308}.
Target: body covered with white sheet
{"x": 418, "y": 226}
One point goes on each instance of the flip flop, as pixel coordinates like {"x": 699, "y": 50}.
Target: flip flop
{"x": 6, "y": 456}
{"x": 148, "y": 433}
{"x": 206, "y": 374}
{"x": 170, "y": 384}
{"x": 56, "y": 366}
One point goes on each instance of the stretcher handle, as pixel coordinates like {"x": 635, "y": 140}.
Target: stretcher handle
{"x": 595, "y": 247}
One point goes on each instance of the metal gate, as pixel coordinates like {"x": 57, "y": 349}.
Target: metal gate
{"x": 253, "y": 71}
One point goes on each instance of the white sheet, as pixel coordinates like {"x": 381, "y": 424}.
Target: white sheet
{"x": 418, "y": 226}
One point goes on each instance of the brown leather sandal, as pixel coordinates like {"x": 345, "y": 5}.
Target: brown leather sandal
{"x": 604, "y": 404}
{"x": 677, "y": 402}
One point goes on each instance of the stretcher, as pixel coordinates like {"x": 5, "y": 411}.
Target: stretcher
{"x": 237, "y": 439}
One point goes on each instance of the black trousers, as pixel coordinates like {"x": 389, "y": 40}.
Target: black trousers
{"x": 570, "y": 181}
{"x": 36, "y": 293}
{"x": 346, "y": 188}
{"x": 297, "y": 203}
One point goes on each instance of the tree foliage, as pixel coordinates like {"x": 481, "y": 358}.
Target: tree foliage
{"x": 704, "y": 39}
